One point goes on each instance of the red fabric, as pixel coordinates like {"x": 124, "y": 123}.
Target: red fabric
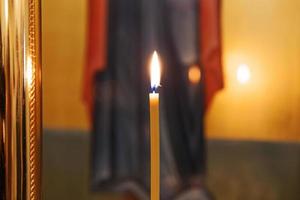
{"x": 96, "y": 46}
{"x": 210, "y": 43}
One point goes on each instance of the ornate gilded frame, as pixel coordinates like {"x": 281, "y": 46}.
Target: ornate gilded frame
{"x": 20, "y": 100}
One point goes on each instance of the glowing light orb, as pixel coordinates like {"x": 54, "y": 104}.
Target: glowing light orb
{"x": 243, "y": 73}
{"x": 194, "y": 74}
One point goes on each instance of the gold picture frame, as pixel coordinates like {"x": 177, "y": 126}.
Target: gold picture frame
{"x": 20, "y": 100}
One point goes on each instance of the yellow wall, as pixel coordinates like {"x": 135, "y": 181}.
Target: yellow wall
{"x": 261, "y": 33}
{"x": 63, "y": 29}
{"x": 265, "y": 35}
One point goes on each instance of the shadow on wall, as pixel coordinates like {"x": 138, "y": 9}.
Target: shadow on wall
{"x": 236, "y": 170}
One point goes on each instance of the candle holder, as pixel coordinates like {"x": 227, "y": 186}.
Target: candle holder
{"x": 20, "y": 100}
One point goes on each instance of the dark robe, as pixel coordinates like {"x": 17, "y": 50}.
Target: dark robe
{"x": 120, "y": 114}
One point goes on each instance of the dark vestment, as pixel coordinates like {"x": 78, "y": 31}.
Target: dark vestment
{"x": 120, "y": 139}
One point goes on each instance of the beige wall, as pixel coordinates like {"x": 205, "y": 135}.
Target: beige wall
{"x": 261, "y": 33}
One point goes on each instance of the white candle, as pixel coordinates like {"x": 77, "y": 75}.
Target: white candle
{"x": 154, "y": 127}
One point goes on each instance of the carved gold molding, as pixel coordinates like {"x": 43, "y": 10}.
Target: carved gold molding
{"x": 20, "y": 100}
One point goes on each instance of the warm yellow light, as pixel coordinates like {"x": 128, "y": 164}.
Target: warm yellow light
{"x": 155, "y": 71}
{"x": 243, "y": 73}
{"x": 29, "y": 71}
{"x": 194, "y": 74}
{"x": 6, "y": 10}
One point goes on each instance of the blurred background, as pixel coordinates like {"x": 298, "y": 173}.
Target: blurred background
{"x": 252, "y": 125}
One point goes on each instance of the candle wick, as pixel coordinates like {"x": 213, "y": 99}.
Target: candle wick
{"x": 154, "y": 88}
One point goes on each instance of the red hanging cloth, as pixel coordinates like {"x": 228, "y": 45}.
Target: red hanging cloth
{"x": 96, "y": 51}
{"x": 211, "y": 49}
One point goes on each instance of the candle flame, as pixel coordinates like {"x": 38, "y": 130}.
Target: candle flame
{"x": 155, "y": 71}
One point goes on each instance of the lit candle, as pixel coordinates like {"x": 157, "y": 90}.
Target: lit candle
{"x": 154, "y": 127}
